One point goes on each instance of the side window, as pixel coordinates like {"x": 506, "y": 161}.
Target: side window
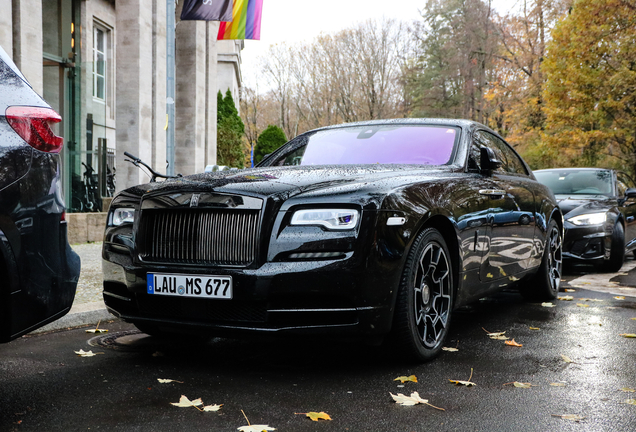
{"x": 510, "y": 162}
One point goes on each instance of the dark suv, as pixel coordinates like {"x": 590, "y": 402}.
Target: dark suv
{"x": 38, "y": 269}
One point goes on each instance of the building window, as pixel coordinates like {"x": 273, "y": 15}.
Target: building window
{"x": 99, "y": 64}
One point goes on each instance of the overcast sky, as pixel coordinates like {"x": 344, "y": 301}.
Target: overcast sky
{"x": 293, "y": 21}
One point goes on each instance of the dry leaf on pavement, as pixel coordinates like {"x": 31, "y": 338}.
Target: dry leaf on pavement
{"x": 513, "y": 343}
{"x": 582, "y": 305}
{"x": 534, "y": 328}
{"x": 464, "y": 383}
{"x": 83, "y": 353}
{"x": 628, "y": 335}
{"x": 97, "y": 329}
{"x": 548, "y": 304}
{"x": 166, "y": 381}
{"x": 449, "y": 349}
{"x": 628, "y": 390}
{"x": 212, "y": 407}
{"x": 571, "y": 417}
{"x": 403, "y": 379}
{"x": 620, "y": 297}
{"x": 185, "y": 402}
{"x": 630, "y": 401}
{"x": 315, "y": 416}
{"x": 256, "y": 428}
{"x": 558, "y": 384}
{"x": 566, "y": 298}
{"x": 569, "y": 289}
{"x": 414, "y": 399}
{"x": 520, "y": 384}
{"x": 566, "y": 358}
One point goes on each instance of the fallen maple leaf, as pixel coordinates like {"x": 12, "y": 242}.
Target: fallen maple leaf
{"x": 566, "y": 298}
{"x": 449, "y": 349}
{"x": 414, "y": 399}
{"x": 83, "y": 353}
{"x": 166, "y": 381}
{"x": 628, "y": 335}
{"x": 185, "y": 402}
{"x": 557, "y": 384}
{"x": 97, "y": 329}
{"x": 212, "y": 407}
{"x": 534, "y": 328}
{"x": 464, "y": 383}
{"x": 571, "y": 417}
{"x": 403, "y": 379}
{"x": 521, "y": 385}
{"x": 315, "y": 416}
{"x": 569, "y": 289}
{"x": 513, "y": 343}
{"x": 548, "y": 304}
{"x": 630, "y": 401}
{"x": 633, "y": 318}
{"x": 490, "y": 334}
{"x": 582, "y": 305}
{"x": 256, "y": 428}
{"x": 566, "y": 358}
{"x": 620, "y": 297}
{"x": 628, "y": 390}
{"x": 499, "y": 338}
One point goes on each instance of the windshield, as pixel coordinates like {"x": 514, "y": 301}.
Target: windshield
{"x": 375, "y": 144}
{"x": 577, "y": 182}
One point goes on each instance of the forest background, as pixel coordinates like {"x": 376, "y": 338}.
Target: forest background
{"x": 555, "y": 78}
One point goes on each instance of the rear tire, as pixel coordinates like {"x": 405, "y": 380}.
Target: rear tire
{"x": 425, "y": 299}
{"x": 544, "y": 285}
{"x": 617, "y": 251}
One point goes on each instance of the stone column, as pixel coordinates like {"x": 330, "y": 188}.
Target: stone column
{"x": 159, "y": 87}
{"x": 190, "y": 125}
{"x": 6, "y": 26}
{"x": 210, "y": 102}
{"x": 27, "y": 40}
{"x": 134, "y": 88}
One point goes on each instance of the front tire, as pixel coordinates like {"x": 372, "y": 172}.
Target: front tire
{"x": 617, "y": 251}
{"x": 425, "y": 298}
{"x": 544, "y": 285}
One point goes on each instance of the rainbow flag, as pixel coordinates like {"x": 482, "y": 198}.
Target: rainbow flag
{"x": 246, "y": 21}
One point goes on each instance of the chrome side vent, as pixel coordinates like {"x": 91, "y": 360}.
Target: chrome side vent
{"x": 199, "y": 236}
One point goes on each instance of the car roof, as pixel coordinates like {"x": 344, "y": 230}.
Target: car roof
{"x": 407, "y": 121}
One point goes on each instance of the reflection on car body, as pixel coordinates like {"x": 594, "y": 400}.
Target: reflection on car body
{"x": 599, "y": 207}
{"x": 368, "y": 229}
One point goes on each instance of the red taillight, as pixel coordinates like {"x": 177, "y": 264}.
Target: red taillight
{"x": 33, "y": 125}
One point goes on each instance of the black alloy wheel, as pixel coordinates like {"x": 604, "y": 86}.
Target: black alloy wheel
{"x": 425, "y": 299}
{"x": 544, "y": 285}
{"x": 617, "y": 251}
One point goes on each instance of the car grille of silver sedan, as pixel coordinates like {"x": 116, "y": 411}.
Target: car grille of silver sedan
{"x": 199, "y": 236}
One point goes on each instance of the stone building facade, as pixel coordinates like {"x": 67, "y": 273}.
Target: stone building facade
{"x": 102, "y": 65}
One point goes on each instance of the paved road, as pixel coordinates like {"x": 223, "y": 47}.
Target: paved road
{"x": 45, "y": 386}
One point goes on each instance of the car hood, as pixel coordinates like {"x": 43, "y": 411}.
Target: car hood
{"x": 580, "y": 204}
{"x": 285, "y": 182}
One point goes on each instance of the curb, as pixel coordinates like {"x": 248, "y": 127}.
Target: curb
{"x": 79, "y": 315}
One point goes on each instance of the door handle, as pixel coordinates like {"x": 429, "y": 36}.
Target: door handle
{"x": 492, "y": 193}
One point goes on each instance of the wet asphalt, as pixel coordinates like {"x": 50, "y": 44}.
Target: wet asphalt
{"x": 45, "y": 386}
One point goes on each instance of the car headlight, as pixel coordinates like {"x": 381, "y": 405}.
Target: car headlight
{"x": 333, "y": 219}
{"x": 588, "y": 219}
{"x": 121, "y": 216}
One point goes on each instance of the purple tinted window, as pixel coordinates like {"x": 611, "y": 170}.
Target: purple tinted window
{"x": 382, "y": 144}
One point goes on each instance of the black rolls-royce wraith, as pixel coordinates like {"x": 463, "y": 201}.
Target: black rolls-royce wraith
{"x": 370, "y": 229}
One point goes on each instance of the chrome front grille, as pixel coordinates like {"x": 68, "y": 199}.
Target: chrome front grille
{"x": 199, "y": 236}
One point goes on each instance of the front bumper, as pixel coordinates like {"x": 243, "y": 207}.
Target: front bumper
{"x": 338, "y": 296}
{"x": 587, "y": 243}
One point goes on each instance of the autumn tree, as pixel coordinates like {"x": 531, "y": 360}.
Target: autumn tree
{"x": 230, "y": 132}
{"x": 590, "y": 93}
{"x": 269, "y": 140}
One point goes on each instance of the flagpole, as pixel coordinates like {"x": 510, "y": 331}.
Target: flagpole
{"x": 170, "y": 83}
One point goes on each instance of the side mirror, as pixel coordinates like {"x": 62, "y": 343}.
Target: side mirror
{"x": 489, "y": 161}
{"x": 630, "y": 193}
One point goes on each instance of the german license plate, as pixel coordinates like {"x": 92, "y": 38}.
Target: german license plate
{"x": 219, "y": 287}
